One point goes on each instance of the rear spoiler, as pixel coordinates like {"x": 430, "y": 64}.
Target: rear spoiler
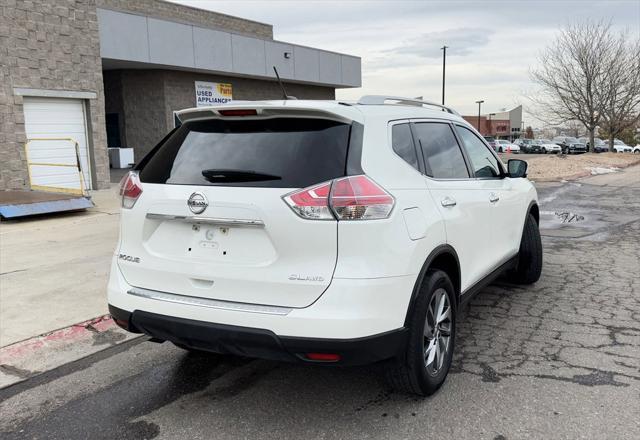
{"x": 182, "y": 116}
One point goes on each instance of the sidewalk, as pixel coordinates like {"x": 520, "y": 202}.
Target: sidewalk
{"x": 54, "y": 269}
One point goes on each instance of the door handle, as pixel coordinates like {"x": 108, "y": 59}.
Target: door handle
{"x": 493, "y": 197}
{"x": 448, "y": 202}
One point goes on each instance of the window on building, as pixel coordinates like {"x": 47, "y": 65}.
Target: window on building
{"x": 441, "y": 151}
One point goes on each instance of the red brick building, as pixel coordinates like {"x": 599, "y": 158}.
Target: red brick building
{"x": 501, "y": 125}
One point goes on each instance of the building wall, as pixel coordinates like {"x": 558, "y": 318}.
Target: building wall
{"x": 149, "y": 98}
{"x": 186, "y": 14}
{"x": 54, "y": 46}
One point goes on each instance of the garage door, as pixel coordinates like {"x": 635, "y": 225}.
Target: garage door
{"x": 48, "y": 123}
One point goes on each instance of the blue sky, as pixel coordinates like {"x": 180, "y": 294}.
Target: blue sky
{"x": 493, "y": 44}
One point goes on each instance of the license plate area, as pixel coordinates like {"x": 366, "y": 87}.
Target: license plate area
{"x": 208, "y": 241}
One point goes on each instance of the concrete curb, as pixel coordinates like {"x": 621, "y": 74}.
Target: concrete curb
{"x": 29, "y": 358}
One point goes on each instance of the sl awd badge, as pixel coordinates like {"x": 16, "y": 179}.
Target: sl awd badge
{"x": 197, "y": 203}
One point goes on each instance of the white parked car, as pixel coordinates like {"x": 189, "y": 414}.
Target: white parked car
{"x": 321, "y": 232}
{"x": 546, "y": 146}
{"x": 503, "y": 146}
{"x": 621, "y": 147}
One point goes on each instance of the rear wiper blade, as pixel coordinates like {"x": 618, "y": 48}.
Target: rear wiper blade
{"x": 217, "y": 175}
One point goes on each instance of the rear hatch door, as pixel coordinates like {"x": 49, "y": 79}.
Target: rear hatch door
{"x": 211, "y": 221}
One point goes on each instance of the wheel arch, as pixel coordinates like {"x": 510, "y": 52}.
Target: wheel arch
{"x": 534, "y": 210}
{"x": 445, "y": 258}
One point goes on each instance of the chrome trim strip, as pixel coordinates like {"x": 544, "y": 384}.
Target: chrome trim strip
{"x": 209, "y": 303}
{"x": 252, "y": 223}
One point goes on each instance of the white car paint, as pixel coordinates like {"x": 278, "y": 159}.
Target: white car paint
{"x": 503, "y": 146}
{"x": 548, "y": 147}
{"x": 311, "y": 278}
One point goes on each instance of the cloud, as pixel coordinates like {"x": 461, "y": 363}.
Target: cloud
{"x": 463, "y": 41}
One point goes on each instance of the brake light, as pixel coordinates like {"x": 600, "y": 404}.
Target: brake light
{"x": 348, "y": 198}
{"x": 312, "y": 202}
{"x": 239, "y": 112}
{"x": 130, "y": 189}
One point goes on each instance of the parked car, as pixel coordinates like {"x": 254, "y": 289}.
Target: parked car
{"x": 524, "y": 144}
{"x": 314, "y": 232}
{"x": 503, "y": 146}
{"x": 491, "y": 141}
{"x": 569, "y": 144}
{"x": 600, "y": 146}
{"x": 621, "y": 147}
{"x": 546, "y": 146}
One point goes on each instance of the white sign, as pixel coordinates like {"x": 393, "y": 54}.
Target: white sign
{"x": 208, "y": 93}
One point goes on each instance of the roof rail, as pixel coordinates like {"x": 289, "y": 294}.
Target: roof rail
{"x": 383, "y": 99}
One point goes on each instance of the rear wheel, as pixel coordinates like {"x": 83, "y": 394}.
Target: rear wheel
{"x": 529, "y": 265}
{"x": 424, "y": 366}
{"x": 500, "y": 150}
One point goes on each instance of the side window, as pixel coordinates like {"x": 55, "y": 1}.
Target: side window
{"x": 402, "y": 143}
{"x": 484, "y": 163}
{"x": 441, "y": 152}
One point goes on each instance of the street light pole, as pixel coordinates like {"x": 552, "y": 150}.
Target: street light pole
{"x": 491, "y": 126}
{"x": 444, "y": 64}
{"x": 479, "y": 105}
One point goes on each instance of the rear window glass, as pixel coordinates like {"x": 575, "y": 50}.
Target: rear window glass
{"x": 275, "y": 153}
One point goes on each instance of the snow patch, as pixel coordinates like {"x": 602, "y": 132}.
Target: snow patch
{"x": 602, "y": 170}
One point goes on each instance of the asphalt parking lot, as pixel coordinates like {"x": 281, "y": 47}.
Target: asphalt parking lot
{"x": 559, "y": 359}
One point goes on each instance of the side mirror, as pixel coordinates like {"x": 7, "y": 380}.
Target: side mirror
{"x": 517, "y": 168}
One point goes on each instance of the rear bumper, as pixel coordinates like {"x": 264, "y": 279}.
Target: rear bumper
{"x": 259, "y": 343}
{"x": 360, "y": 319}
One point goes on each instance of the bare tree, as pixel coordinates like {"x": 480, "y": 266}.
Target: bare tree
{"x": 621, "y": 88}
{"x": 570, "y": 74}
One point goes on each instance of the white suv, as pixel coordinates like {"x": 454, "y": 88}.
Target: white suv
{"x": 321, "y": 232}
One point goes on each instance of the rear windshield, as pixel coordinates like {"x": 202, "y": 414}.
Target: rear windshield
{"x": 274, "y": 153}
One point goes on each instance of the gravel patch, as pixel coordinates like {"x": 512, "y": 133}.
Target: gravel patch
{"x": 557, "y": 167}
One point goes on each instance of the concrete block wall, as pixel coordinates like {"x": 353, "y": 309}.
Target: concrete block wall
{"x": 189, "y": 15}
{"x": 54, "y": 46}
{"x": 149, "y": 98}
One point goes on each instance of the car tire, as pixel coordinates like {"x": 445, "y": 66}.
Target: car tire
{"x": 544, "y": 150}
{"x": 410, "y": 372}
{"x": 529, "y": 266}
{"x": 500, "y": 150}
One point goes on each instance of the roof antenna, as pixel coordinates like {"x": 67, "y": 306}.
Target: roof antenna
{"x": 284, "y": 92}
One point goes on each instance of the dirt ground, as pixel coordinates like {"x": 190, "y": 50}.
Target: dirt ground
{"x": 556, "y": 167}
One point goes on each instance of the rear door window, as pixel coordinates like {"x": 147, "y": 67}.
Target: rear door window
{"x": 441, "y": 152}
{"x": 275, "y": 153}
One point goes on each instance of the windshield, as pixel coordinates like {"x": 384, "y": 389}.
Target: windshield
{"x": 545, "y": 141}
{"x": 570, "y": 139}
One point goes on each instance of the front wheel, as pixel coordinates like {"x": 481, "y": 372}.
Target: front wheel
{"x": 544, "y": 150}
{"x": 529, "y": 266}
{"x": 500, "y": 150}
{"x": 424, "y": 366}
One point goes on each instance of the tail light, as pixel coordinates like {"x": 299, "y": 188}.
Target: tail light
{"x": 348, "y": 198}
{"x": 311, "y": 202}
{"x": 130, "y": 189}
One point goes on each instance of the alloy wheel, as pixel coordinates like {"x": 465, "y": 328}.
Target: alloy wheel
{"x": 437, "y": 331}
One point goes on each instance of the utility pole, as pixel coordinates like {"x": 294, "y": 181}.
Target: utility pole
{"x": 491, "y": 126}
{"x": 479, "y": 105}
{"x": 444, "y": 64}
